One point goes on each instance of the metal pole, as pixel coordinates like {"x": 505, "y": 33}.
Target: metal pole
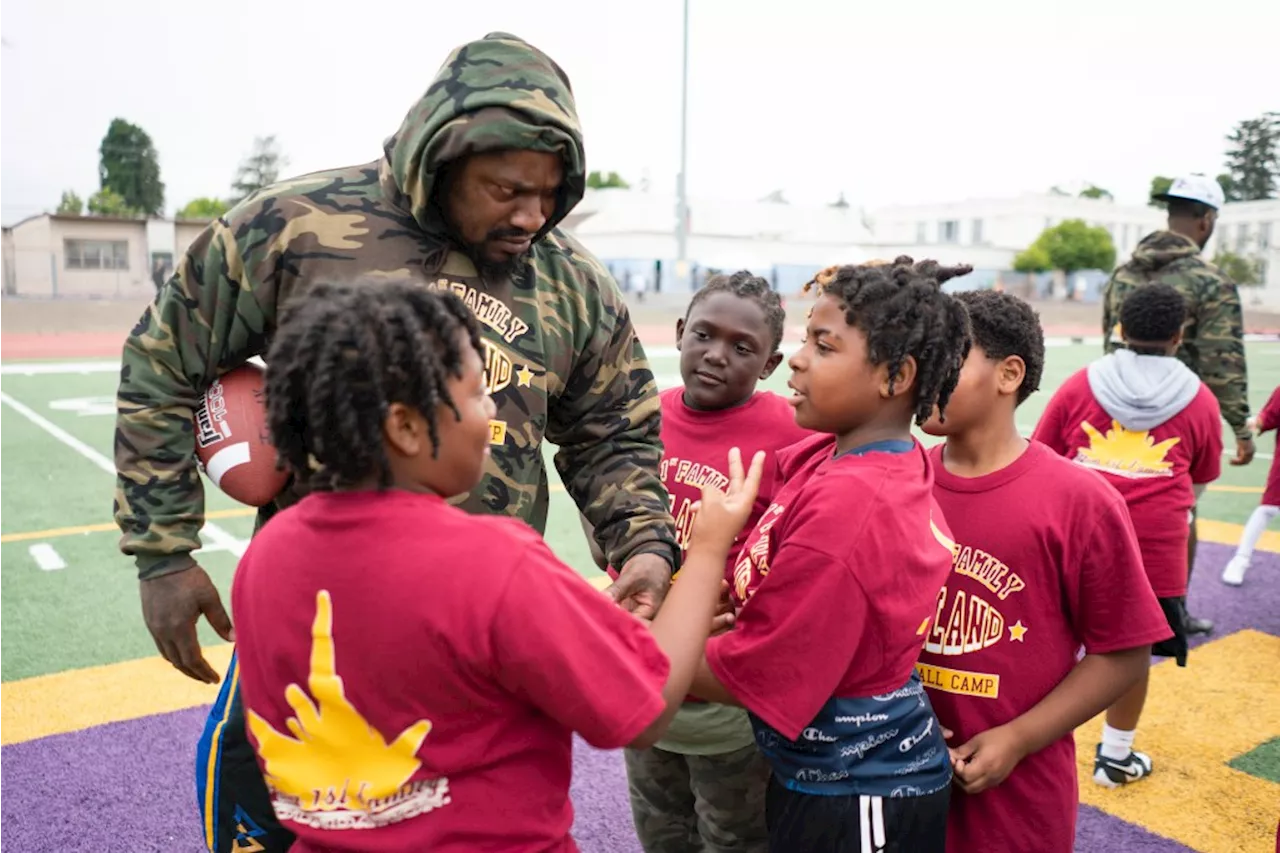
{"x": 682, "y": 202}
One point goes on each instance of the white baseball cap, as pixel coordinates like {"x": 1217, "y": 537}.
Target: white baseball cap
{"x": 1195, "y": 188}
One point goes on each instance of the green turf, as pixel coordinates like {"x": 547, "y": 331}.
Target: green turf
{"x": 88, "y": 613}
{"x": 1262, "y": 761}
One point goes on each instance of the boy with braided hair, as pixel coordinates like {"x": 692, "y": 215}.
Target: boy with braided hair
{"x": 447, "y": 658}
{"x": 837, "y": 583}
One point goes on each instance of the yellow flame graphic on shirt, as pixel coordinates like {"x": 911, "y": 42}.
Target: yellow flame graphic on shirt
{"x": 1126, "y": 454}
{"x": 335, "y": 759}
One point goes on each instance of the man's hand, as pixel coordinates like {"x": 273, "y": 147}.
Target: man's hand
{"x": 171, "y": 607}
{"x": 1244, "y": 451}
{"x": 987, "y": 759}
{"x": 642, "y": 585}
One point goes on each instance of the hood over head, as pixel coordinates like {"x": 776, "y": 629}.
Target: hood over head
{"x": 495, "y": 93}
{"x": 1142, "y": 391}
{"x": 1162, "y": 248}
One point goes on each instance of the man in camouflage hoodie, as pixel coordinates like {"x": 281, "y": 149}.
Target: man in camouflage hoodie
{"x": 1213, "y": 337}
{"x": 467, "y": 197}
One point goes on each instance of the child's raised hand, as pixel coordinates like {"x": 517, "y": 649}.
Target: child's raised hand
{"x": 720, "y": 515}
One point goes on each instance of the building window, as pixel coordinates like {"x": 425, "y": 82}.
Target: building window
{"x": 922, "y": 232}
{"x": 96, "y": 254}
{"x": 1264, "y": 236}
{"x": 1242, "y": 237}
{"x": 949, "y": 231}
{"x": 976, "y": 233}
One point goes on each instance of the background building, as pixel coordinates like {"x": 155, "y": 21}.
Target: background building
{"x": 633, "y": 233}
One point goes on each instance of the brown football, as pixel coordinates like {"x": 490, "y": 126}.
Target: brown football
{"x": 233, "y": 444}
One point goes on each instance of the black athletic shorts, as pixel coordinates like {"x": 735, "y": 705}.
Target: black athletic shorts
{"x": 1175, "y": 611}
{"x": 808, "y": 823}
{"x": 235, "y": 807}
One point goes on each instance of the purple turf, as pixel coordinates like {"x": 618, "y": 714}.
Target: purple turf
{"x": 130, "y": 785}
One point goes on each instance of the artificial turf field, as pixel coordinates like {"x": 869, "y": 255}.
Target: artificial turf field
{"x": 99, "y": 734}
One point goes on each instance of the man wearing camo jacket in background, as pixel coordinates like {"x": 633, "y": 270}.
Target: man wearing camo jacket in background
{"x": 466, "y": 197}
{"x": 1213, "y": 336}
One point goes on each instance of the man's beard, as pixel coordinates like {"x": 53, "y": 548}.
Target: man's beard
{"x": 488, "y": 268}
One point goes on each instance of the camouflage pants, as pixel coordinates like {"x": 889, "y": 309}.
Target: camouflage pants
{"x": 698, "y": 803}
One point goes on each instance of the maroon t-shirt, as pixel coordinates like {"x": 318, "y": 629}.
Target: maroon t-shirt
{"x": 1046, "y": 562}
{"x": 836, "y": 584}
{"x": 412, "y": 675}
{"x": 1269, "y": 419}
{"x": 1154, "y": 469}
{"x": 696, "y": 452}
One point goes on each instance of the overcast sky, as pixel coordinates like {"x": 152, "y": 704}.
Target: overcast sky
{"x": 891, "y": 101}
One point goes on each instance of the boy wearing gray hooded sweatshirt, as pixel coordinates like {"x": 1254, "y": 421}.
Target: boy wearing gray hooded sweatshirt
{"x": 1154, "y": 431}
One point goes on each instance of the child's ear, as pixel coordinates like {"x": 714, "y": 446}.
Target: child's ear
{"x": 401, "y": 431}
{"x": 679, "y": 332}
{"x": 896, "y": 386}
{"x": 1010, "y": 373}
{"x": 770, "y": 366}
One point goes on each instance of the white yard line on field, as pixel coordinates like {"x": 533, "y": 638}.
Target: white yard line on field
{"x": 46, "y": 557}
{"x": 219, "y": 538}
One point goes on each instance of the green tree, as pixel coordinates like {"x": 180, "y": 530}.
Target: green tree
{"x": 1092, "y": 191}
{"x": 259, "y": 170}
{"x": 71, "y": 204}
{"x": 1034, "y": 258}
{"x": 1229, "y": 189}
{"x": 203, "y": 208}
{"x": 108, "y": 202}
{"x": 1070, "y": 246}
{"x": 129, "y": 166}
{"x": 1159, "y": 185}
{"x": 1253, "y": 160}
{"x": 602, "y": 181}
{"x": 1243, "y": 271}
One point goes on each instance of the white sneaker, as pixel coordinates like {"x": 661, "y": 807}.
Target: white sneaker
{"x": 1233, "y": 574}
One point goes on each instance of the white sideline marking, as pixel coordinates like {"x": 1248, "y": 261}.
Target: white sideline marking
{"x": 217, "y": 536}
{"x": 86, "y": 406}
{"x": 48, "y": 559}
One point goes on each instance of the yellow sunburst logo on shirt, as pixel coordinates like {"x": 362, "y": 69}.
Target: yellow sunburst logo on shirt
{"x": 336, "y": 760}
{"x": 1132, "y": 454}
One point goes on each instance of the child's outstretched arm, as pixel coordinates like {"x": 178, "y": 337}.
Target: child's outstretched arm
{"x": 685, "y": 620}
{"x": 1092, "y": 686}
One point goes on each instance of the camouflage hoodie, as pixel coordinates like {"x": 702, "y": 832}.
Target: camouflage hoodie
{"x": 562, "y": 359}
{"x": 1213, "y": 337}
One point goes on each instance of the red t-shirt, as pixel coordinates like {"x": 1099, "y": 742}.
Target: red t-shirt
{"x": 1153, "y": 470}
{"x": 1269, "y": 419}
{"x": 1046, "y": 562}
{"x": 836, "y": 584}
{"x": 696, "y": 452}
{"x": 462, "y": 657}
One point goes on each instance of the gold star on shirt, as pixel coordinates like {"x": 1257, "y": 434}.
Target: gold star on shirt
{"x": 524, "y": 376}
{"x": 1017, "y": 630}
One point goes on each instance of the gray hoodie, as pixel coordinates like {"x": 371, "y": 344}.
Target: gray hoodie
{"x": 1142, "y": 391}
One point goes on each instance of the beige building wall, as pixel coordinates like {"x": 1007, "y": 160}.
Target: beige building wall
{"x": 71, "y": 256}
{"x": 34, "y": 261}
{"x": 80, "y": 277}
{"x": 185, "y": 231}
